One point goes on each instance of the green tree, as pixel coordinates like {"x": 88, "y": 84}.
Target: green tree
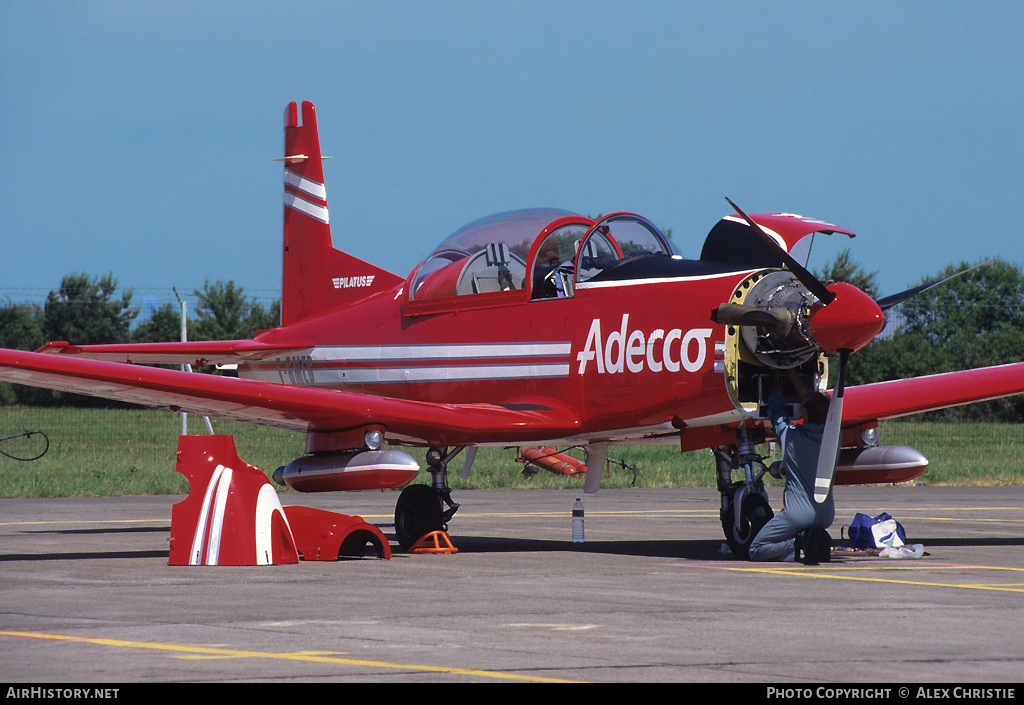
{"x": 845, "y": 269}
{"x": 985, "y": 300}
{"x": 88, "y": 311}
{"x": 224, "y": 312}
{"x": 21, "y": 326}
{"x": 164, "y": 326}
{"x": 975, "y": 320}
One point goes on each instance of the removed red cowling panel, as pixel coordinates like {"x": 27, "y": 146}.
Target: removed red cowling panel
{"x": 232, "y": 515}
{"x": 327, "y": 536}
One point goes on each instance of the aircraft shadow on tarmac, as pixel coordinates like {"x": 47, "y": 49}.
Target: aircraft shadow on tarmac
{"x": 91, "y": 555}
{"x": 678, "y": 549}
{"x": 694, "y": 549}
{"x": 109, "y": 530}
{"x": 675, "y": 548}
{"x": 992, "y": 541}
{"x": 79, "y": 556}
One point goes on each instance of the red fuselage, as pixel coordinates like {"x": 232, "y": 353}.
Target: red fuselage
{"x": 634, "y": 357}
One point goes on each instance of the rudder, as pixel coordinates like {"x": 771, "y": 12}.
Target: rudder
{"x": 316, "y": 277}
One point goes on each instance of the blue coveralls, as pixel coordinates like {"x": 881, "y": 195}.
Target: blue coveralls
{"x": 801, "y": 444}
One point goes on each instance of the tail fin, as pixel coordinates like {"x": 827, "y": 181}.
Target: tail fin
{"x": 316, "y": 276}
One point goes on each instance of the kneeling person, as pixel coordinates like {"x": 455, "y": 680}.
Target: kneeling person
{"x": 798, "y": 532}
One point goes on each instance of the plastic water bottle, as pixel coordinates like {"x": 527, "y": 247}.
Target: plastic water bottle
{"x": 915, "y": 551}
{"x": 577, "y": 521}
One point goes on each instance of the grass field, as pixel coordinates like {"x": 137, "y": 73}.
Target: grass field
{"x": 111, "y": 452}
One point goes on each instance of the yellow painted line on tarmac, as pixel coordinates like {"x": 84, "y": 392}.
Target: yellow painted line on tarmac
{"x": 974, "y": 520}
{"x": 657, "y": 513}
{"x": 829, "y": 574}
{"x": 943, "y": 509}
{"x": 917, "y": 511}
{"x": 642, "y": 514}
{"x": 82, "y": 521}
{"x": 602, "y": 512}
{"x": 195, "y": 652}
{"x": 700, "y": 513}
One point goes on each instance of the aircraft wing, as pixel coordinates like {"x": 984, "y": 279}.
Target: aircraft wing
{"x": 291, "y": 407}
{"x": 199, "y": 353}
{"x": 901, "y": 397}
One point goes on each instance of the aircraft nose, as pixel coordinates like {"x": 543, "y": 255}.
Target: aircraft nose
{"x": 850, "y": 322}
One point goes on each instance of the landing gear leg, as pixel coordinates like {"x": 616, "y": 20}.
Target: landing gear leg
{"x": 421, "y": 509}
{"x": 745, "y": 507}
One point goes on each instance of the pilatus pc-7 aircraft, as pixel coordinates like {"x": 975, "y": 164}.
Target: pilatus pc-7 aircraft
{"x": 533, "y": 327}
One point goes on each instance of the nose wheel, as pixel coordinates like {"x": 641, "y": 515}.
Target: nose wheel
{"x": 745, "y": 509}
{"x": 421, "y": 508}
{"x": 417, "y": 513}
{"x": 743, "y": 516}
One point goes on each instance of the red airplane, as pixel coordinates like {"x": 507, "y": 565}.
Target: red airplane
{"x": 533, "y": 327}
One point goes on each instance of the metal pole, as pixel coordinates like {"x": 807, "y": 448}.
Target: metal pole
{"x": 184, "y": 368}
{"x": 187, "y": 367}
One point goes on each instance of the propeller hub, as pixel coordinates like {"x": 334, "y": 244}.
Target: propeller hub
{"x": 850, "y": 322}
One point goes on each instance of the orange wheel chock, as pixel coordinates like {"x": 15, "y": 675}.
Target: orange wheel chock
{"x": 434, "y": 542}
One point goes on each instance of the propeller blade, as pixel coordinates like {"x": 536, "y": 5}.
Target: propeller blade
{"x": 806, "y": 278}
{"x": 890, "y": 301}
{"x": 830, "y": 438}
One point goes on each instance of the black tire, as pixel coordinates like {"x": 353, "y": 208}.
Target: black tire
{"x": 754, "y": 514}
{"x": 417, "y": 513}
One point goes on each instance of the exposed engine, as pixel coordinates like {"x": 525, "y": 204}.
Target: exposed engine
{"x": 785, "y": 340}
{"x": 767, "y": 329}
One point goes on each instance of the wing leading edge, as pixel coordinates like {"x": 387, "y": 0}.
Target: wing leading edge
{"x": 200, "y": 353}
{"x": 306, "y": 408}
{"x": 901, "y": 397}
{"x": 285, "y": 406}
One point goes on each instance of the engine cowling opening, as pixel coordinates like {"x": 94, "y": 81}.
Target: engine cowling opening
{"x": 767, "y": 329}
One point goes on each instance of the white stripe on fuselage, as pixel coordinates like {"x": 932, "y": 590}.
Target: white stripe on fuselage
{"x": 455, "y": 373}
{"x": 329, "y": 365}
{"x": 361, "y": 353}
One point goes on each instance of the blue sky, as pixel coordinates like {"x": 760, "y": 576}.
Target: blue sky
{"x": 139, "y": 137}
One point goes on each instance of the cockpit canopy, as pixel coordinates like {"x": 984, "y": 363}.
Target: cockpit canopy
{"x": 487, "y": 255}
{"x": 548, "y": 253}
{"x": 544, "y": 251}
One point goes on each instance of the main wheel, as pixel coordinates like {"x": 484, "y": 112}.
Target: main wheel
{"x": 754, "y": 514}
{"x": 417, "y": 513}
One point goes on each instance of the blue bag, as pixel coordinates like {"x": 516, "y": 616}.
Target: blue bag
{"x": 877, "y": 532}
